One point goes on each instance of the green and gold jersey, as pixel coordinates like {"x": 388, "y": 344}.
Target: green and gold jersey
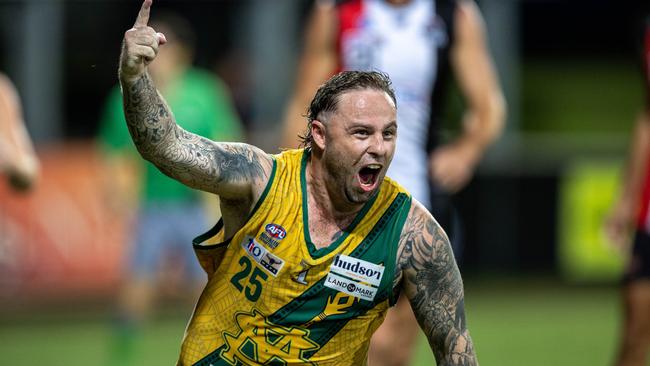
{"x": 272, "y": 298}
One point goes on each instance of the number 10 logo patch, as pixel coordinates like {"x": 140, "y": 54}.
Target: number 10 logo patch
{"x": 271, "y": 263}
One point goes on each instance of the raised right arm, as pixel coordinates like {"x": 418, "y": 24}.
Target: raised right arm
{"x": 232, "y": 170}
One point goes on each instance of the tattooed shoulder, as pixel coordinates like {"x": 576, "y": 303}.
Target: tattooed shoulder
{"x": 240, "y": 162}
{"x": 417, "y": 240}
{"x": 226, "y": 165}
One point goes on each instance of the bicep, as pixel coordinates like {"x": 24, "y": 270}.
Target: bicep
{"x": 433, "y": 285}
{"x": 470, "y": 57}
{"x": 232, "y": 170}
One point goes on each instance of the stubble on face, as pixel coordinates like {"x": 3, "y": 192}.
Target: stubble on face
{"x": 345, "y": 152}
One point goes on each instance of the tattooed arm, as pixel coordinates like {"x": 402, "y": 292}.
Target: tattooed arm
{"x": 234, "y": 171}
{"x": 429, "y": 277}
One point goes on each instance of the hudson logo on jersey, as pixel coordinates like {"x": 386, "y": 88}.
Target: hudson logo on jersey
{"x": 268, "y": 261}
{"x": 272, "y": 235}
{"x": 354, "y": 277}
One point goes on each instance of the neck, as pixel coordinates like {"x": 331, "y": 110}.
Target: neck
{"x": 326, "y": 196}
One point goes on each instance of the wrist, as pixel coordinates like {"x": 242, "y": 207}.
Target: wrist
{"x": 128, "y": 78}
{"x": 472, "y": 149}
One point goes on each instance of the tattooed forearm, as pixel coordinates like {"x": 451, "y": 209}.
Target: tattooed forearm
{"x": 147, "y": 115}
{"x": 194, "y": 160}
{"x": 432, "y": 281}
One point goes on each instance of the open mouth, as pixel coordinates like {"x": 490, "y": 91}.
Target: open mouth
{"x": 369, "y": 175}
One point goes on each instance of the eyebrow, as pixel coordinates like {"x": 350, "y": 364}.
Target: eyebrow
{"x": 391, "y": 125}
{"x": 366, "y": 125}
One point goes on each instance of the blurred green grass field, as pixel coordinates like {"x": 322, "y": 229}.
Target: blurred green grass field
{"x": 513, "y": 322}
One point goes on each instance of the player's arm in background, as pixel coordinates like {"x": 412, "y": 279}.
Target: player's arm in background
{"x": 430, "y": 279}
{"x": 452, "y": 165}
{"x": 621, "y": 219}
{"x": 17, "y": 157}
{"x": 317, "y": 64}
{"x": 234, "y": 171}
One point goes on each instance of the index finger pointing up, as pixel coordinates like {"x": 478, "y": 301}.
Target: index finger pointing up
{"x": 143, "y": 15}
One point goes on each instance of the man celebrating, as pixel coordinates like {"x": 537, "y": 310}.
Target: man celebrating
{"x": 314, "y": 244}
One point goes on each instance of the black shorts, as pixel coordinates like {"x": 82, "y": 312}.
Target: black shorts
{"x": 639, "y": 266}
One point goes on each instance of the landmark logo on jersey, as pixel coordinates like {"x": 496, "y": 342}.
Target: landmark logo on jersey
{"x": 272, "y": 235}
{"x": 354, "y": 277}
{"x": 271, "y": 263}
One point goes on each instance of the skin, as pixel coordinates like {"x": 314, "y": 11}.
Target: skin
{"x": 18, "y": 160}
{"x": 358, "y": 133}
{"x": 621, "y": 219}
{"x": 635, "y": 339}
{"x": 431, "y": 281}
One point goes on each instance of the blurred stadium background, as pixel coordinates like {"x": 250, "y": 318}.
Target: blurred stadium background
{"x": 542, "y": 282}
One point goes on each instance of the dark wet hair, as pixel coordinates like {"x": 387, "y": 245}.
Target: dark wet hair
{"x": 327, "y": 96}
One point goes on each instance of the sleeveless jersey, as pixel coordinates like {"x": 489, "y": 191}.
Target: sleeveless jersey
{"x": 643, "y": 219}
{"x": 410, "y": 43}
{"x": 272, "y": 298}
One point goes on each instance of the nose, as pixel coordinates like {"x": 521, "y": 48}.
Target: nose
{"x": 377, "y": 145}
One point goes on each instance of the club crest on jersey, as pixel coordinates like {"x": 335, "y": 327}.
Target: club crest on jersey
{"x": 354, "y": 277}
{"x": 271, "y": 263}
{"x": 272, "y": 235}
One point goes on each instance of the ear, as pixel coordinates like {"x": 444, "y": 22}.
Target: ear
{"x": 318, "y": 133}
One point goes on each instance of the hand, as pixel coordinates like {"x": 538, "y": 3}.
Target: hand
{"x": 140, "y": 45}
{"x": 22, "y": 180}
{"x": 452, "y": 166}
{"x": 21, "y": 173}
{"x": 21, "y": 170}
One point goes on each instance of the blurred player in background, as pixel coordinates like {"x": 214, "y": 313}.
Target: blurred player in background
{"x": 169, "y": 214}
{"x": 418, "y": 43}
{"x": 18, "y": 162}
{"x": 632, "y": 207}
